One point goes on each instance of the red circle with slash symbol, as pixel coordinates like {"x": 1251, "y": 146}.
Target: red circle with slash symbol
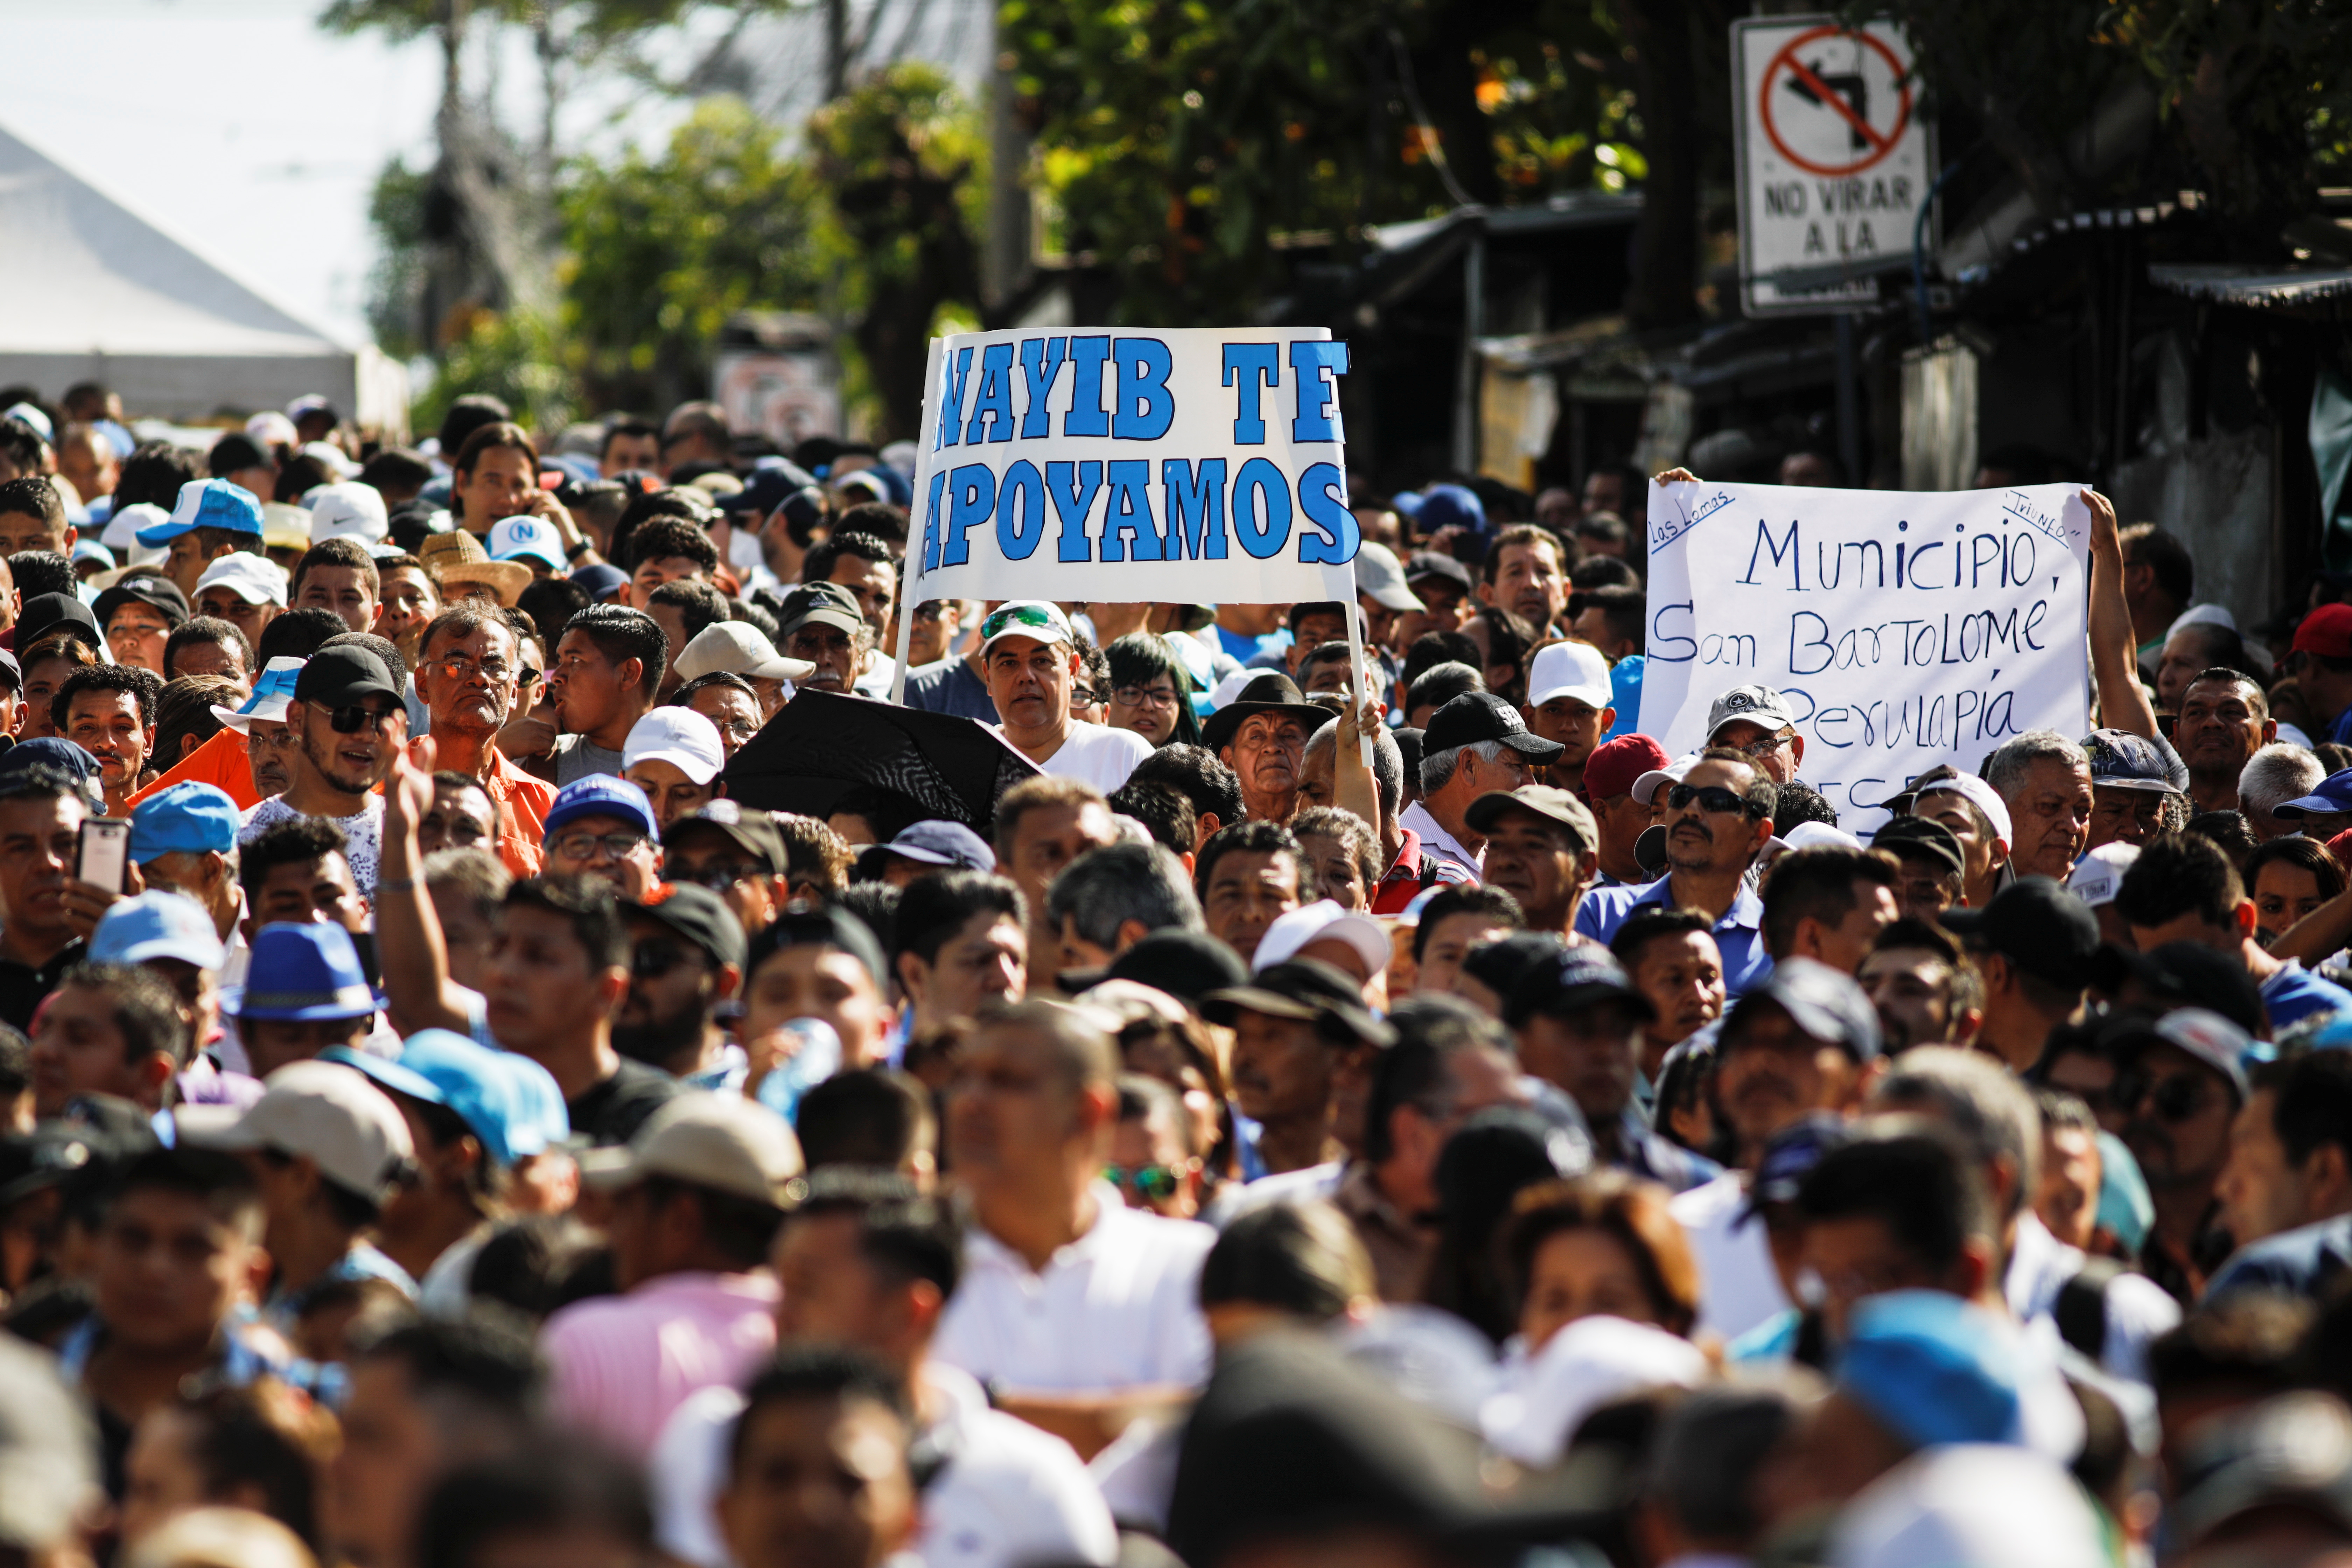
{"x": 1880, "y": 142}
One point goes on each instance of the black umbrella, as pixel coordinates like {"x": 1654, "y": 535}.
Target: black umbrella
{"x": 822, "y": 744}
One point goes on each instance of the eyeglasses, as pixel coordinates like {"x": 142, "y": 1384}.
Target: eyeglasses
{"x": 1083, "y": 697}
{"x": 1759, "y": 750}
{"x": 2175, "y": 1099}
{"x": 457, "y": 666}
{"x": 1142, "y": 696}
{"x": 584, "y": 845}
{"x": 351, "y": 720}
{"x": 1034, "y": 617}
{"x": 1156, "y": 1183}
{"x": 1713, "y": 798}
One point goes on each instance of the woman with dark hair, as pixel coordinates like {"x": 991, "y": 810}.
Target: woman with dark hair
{"x": 1602, "y": 1245}
{"x": 2287, "y": 878}
{"x": 1507, "y": 642}
{"x": 1180, "y": 1055}
{"x": 1150, "y": 690}
{"x": 1491, "y": 1158}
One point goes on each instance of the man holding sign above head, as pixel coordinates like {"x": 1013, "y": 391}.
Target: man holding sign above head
{"x": 1032, "y": 663}
{"x": 1719, "y": 818}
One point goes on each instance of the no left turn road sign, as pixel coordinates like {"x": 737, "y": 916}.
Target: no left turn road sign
{"x": 1835, "y": 160}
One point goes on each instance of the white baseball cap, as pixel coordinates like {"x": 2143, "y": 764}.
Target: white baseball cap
{"x": 1039, "y": 619}
{"x": 121, "y": 535}
{"x": 681, "y": 737}
{"x": 273, "y": 693}
{"x": 337, "y": 1117}
{"x": 1583, "y": 1367}
{"x": 1575, "y": 669}
{"x": 1977, "y": 793}
{"x": 272, "y": 428}
{"x": 348, "y": 511}
{"x": 520, "y": 538}
{"x": 1645, "y": 788}
{"x": 2099, "y": 874}
{"x": 256, "y": 579}
{"x": 722, "y": 1141}
{"x": 739, "y": 648}
{"x": 1323, "y": 921}
{"x": 333, "y": 459}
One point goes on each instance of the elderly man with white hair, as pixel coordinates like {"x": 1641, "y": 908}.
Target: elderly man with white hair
{"x": 2277, "y": 773}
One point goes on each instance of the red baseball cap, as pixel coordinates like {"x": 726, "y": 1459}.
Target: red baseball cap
{"x": 2326, "y": 631}
{"x": 1614, "y": 765}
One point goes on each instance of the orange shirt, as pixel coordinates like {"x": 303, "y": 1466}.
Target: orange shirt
{"x": 221, "y": 761}
{"x": 527, "y": 801}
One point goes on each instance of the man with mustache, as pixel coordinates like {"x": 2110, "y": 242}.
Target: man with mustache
{"x": 2225, "y": 717}
{"x": 1717, "y": 819}
{"x": 1031, "y": 661}
{"x": 1804, "y": 1041}
{"x": 1262, "y": 735}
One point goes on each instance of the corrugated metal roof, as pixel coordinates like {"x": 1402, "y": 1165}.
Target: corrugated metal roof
{"x": 2231, "y": 284}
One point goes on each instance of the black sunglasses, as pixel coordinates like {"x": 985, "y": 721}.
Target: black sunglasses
{"x": 2175, "y": 1099}
{"x": 353, "y": 719}
{"x": 1710, "y": 798}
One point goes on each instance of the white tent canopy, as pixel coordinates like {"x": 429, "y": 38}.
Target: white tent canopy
{"x": 91, "y": 291}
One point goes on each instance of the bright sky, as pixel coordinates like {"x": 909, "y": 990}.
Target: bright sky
{"x": 241, "y": 129}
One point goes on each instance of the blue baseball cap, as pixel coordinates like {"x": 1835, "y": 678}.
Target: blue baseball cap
{"x": 189, "y": 818}
{"x": 601, "y": 795}
{"x": 2334, "y": 794}
{"x": 208, "y": 503}
{"x": 1932, "y": 1369}
{"x": 601, "y": 580}
{"x": 55, "y": 750}
{"x": 157, "y": 924}
{"x": 1450, "y": 506}
{"x": 1793, "y": 1151}
{"x": 942, "y": 843}
{"x": 509, "y": 1101}
{"x": 2121, "y": 760}
{"x": 301, "y": 972}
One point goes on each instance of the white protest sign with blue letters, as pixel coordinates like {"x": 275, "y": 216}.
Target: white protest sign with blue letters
{"x": 1906, "y": 630}
{"x": 1194, "y": 465}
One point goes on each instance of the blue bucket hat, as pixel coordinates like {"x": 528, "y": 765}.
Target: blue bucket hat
{"x": 601, "y": 795}
{"x": 208, "y": 503}
{"x": 509, "y": 1101}
{"x": 187, "y": 818}
{"x": 303, "y": 972}
{"x": 157, "y": 924}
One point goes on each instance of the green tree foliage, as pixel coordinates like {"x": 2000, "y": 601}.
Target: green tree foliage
{"x": 1182, "y": 143}
{"x": 659, "y": 251}
{"x": 901, "y": 163}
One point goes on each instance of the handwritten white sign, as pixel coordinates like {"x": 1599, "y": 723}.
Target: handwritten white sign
{"x": 1906, "y": 630}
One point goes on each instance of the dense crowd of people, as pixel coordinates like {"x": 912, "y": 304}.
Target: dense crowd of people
{"x": 1325, "y": 1110}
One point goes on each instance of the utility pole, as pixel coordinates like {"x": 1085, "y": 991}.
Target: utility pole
{"x": 836, "y": 48}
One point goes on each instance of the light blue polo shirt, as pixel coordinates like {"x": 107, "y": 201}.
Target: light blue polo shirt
{"x": 1740, "y": 934}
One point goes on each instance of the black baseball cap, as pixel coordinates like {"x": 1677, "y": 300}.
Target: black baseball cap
{"x": 696, "y": 914}
{"x": 342, "y": 676}
{"x": 1477, "y": 716}
{"x": 1428, "y": 566}
{"x": 826, "y": 927}
{"x": 2214, "y": 1040}
{"x": 2037, "y": 925}
{"x": 43, "y": 613}
{"x": 1306, "y": 989}
{"x": 1577, "y": 978}
{"x": 1187, "y": 965}
{"x": 1904, "y": 837}
{"x": 2184, "y": 974}
{"x": 158, "y": 593}
{"x": 820, "y": 604}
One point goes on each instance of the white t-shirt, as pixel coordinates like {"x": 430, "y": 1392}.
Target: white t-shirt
{"x": 1010, "y": 1494}
{"x": 1117, "y": 1309}
{"x": 1738, "y": 1288}
{"x": 362, "y": 834}
{"x": 1098, "y": 753}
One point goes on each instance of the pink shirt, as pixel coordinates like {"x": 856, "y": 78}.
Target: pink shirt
{"x": 621, "y": 1365}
